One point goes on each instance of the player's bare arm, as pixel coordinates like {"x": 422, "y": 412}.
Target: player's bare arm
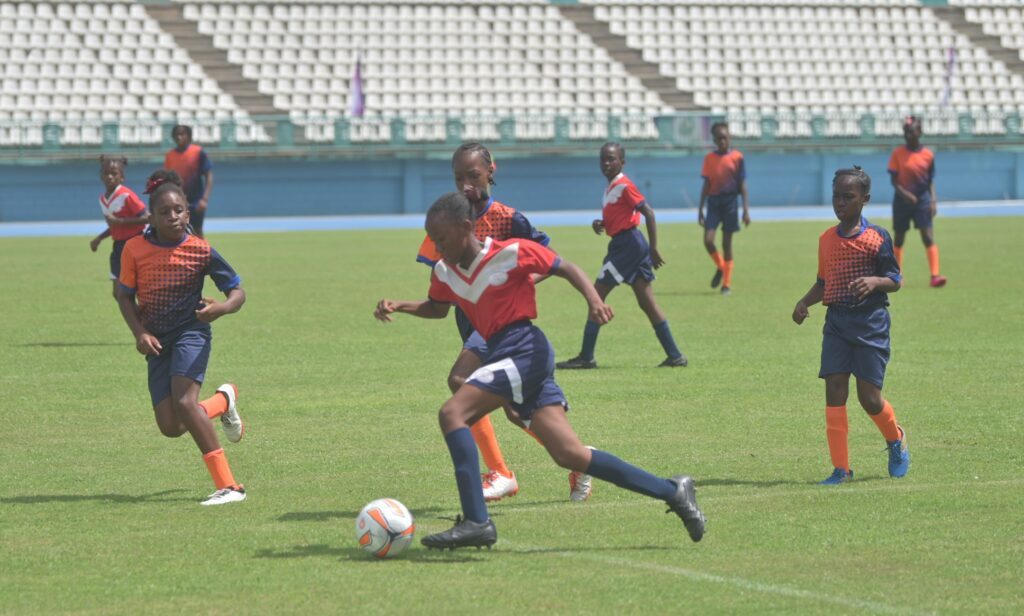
{"x": 652, "y": 234}
{"x": 213, "y": 310}
{"x": 700, "y": 205}
{"x": 867, "y": 285}
{"x": 746, "y": 203}
{"x": 425, "y": 309}
{"x": 812, "y": 297}
{"x": 94, "y": 243}
{"x": 145, "y": 342}
{"x": 599, "y": 311}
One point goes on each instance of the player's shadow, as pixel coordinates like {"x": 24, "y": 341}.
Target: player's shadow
{"x": 121, "y": 499}
{"x": 326, "y": 516}
{"x": 770, "y": 483}
{"x": 63, "y": 345}
{"x": 357, "y": 554}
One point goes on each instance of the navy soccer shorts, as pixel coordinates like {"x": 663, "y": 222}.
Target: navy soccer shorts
{"x": 629, "y": 256}
{"x": 856, "y": 341}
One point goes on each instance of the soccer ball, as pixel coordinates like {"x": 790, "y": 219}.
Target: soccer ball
{"x": 385, "y": 528}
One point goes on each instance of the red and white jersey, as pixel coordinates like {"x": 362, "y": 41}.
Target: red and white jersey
{"x": 622, "y": 201}
{"x": 123, "y": 203}
{"x": 497, "y": 289}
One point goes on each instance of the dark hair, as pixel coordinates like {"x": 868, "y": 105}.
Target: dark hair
{"x": 857, "y": 174}
{"x": 161, "y": 181}
{"x": 914, "y": 121}
{"x": 108, "y": 159}
{"x": 718, "y": 125}
{"x": 454, "y": 206}
{"x": 479, "y": 148}
{"x": 182, "y": 127}
{"x": 617, "y": 146}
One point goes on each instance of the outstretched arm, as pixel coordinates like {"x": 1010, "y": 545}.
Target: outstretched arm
{"x": 599, "y": 311}
{"x": 814, "y": 295}
{"x": 652, "y": 234}
{"x": 425, "y": 309}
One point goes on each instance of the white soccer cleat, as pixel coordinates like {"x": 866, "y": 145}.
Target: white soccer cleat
{"x": 224, "y": 496}
{"x": 498, "y": 486}
{"x": 230, "y": 420}
{"x": 580, "y": 485}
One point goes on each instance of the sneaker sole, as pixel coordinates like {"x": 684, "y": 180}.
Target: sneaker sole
{"x": 492, "y": 499}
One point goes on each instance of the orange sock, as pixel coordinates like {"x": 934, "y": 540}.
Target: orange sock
{"x": 717, "y": 258}
{"x": 727, "y": 275}
{"x": 933, "y": 259}
{"x": 217, "y": 464}
{"x": 886, "y": 422}
{"x": 898, "y": 251}
{"x": 837, "y": 427}
{"x": 215, "y": 406}
{"x": 483, "y": 434}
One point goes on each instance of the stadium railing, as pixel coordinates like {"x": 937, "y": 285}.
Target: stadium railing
{"x": 388, "y": 136}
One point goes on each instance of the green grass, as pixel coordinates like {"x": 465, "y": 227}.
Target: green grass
{"x": 99, "y": 514}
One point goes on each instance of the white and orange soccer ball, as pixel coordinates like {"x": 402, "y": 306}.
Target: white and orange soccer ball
{"x": 385, "y": 528}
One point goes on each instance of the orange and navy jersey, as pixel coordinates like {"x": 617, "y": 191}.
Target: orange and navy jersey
{"x": 499, "y": 221}
{"x": 497, "y": 289}
{"x": 724, "y": 172}
{"x": 192, "y": 164}
{"x": 167, "y": 280}
{"x": 620, "y": 210}
{"x": 914, "y": 170}
{"x": 841, "y": 260}
{"x": 123, "y": 203}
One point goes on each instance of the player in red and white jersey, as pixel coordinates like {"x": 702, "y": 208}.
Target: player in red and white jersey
{"x": 630, "y": 259}
{"x": 124, "y": 212}
{"x": 493, "y": 282}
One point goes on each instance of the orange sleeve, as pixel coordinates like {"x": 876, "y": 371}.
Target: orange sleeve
{"x": 129, "y": 275}
{"x": 705, "y": 170}
{"x": 894, "y": 161}
{"x": 428, "y": 253}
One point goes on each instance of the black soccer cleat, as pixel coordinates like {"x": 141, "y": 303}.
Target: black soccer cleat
{"x": 465, "y": 534}
{"x": 577, "y": 363}
{"x": 716, "y": 279}
{"x": 674, "y": 362}
{"x": 684, "y": 504}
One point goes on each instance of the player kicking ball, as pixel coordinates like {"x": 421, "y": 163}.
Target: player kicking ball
{"x": 492, "y": 282}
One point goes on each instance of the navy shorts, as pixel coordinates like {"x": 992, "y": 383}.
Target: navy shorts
{"x": 520, "y": 367}
{"x": 115, "y": 259}
{"x": 722, "y": 210}
{"x": 903, "y": 213}
{"x": 628, "y": 256}
{"x": 185, "y": 353}
{"x": 856, "y": 341}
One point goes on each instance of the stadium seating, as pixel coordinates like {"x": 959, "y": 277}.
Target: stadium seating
{"x": 490, "y": 69}
{"x": 82, "y": 65}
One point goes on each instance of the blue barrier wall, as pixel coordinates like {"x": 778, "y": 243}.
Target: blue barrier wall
{"x": 262, "y": 187}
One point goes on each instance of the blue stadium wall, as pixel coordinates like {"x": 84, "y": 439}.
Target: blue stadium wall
{"x": 286, "y": 187}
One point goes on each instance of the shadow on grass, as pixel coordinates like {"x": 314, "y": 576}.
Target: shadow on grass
{"x": 62, "y": 345}
{"x": 747, "y": 482}
{"x": 43, "y": 499}
{"x": 356, "y": 554}
{"x": 326, "y": 516}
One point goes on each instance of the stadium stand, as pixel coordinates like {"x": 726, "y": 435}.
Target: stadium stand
{"x": 279, "y": 72}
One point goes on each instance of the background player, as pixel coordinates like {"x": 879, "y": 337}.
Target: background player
{"x": 161, "y": 300}
{"x": 630, "y": 259}
{"x": 856, "y": 271}
{"x": 124, "y": 212}
{"x": 912, "y": 169}
{"x": 493, "y": 283}
{"x": 725, "y": 178}
{"x": 192, "y": 164}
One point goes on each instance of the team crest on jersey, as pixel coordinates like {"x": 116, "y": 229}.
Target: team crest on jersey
{"x": 470, "y": 284}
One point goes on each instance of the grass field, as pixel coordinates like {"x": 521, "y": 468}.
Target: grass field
{"x": 99, "y": 513}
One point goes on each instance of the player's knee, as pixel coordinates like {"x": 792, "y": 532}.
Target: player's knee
{"x": 709, "y": 245}
{"x": 571, "y": 458}
{"x": 871, "y": 402}
{"x": 170, "y": 428}
{"x": 450, "y": 417}
{"x": 455, "y": 381}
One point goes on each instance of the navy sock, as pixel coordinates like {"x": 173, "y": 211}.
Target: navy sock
{"x": 467, "y": 474}
{"x": 667, "y": 341}
{"x": 590, "y": 331}
{"x": 607, "y": 467}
